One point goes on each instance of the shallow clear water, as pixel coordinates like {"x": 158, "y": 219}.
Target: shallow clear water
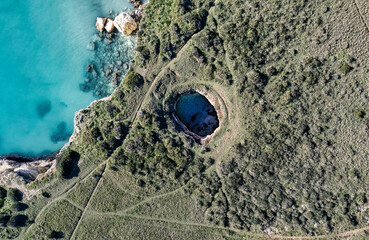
{"x": 196, "y": 112}
{"x": 43, "y": 56}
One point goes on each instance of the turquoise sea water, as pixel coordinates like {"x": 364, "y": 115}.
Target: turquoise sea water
{"x": 43, "y": 56}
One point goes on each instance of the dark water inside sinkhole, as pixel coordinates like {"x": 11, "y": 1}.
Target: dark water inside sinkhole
{"x": 197, "y": 113}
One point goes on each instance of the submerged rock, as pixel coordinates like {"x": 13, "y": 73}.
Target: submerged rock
{"x": 91, "y": 46}
{"x": 100, "y": 23}
{"x": 61, "y": 133}
{"x": 84, "y": 87}
{"x": 136, "y": 3}
{"x": 63, "y": 104}
{"x": 108, "y": 41}
{"x": 43, "y": 108}
{"x": 112, "y": 55}
{"x": 89, "y": 67}
{"x": 94, "y": 73}
{"x": 125, "y": 23}
{"x": 109, "y": 27}
{"x": 108, "y": 72}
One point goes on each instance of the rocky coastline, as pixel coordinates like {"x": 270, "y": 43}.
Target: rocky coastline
{"x": 113, "y": 49}
{"x": 17, "y": 170}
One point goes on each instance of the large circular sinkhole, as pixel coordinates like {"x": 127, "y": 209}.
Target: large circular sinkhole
{"x": 197, "y": 114}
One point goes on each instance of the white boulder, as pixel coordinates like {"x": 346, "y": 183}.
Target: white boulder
{"x": 100, "y": 23}
{"x": 109, "y": 26}
{"x": 125, "y": 23}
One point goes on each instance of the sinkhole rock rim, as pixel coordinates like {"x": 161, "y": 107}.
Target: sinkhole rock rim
{"x": 214, "y": 99}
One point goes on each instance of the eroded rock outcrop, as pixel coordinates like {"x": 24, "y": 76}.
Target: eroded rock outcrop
{"x": 125, "y": 23}
{"x": 25, "y": 172}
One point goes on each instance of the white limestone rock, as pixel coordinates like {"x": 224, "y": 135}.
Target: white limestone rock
{"x": 100, "y": 23}
{"x": 109, "y": 26}
{"x": 125, "y": 23}
{"x": 25, "y": 171}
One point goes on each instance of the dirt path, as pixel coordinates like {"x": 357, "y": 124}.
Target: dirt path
{"x": 153, "y": 197}
{"x": 266, "y": 236}
{"x": 88, "y": 202}
{"x": 163, "y": 69}
{"x": 123, "y": 213}
{"x": 330, "y": 236}
{"x": 119, "y": 214}
{"x": 361, "y": 15}
{"x": 74, "y": 204}
{"x": 62, "y": 195}
{"x": 132, "y": 121}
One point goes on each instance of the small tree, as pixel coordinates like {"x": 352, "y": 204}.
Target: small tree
{"x": 66, "y": 162}
{"x": 133, "y": 79}
{"x": 359, "y": 113}
{"x": 345, "y": 68}
{"x": 14, "y": 195}
{"x": 55, "y": 235}
{"x": 18, "y": 221}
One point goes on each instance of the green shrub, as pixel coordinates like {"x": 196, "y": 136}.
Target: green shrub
{"x": 66, "y": 163}
{"x": 251, "y": 35}
{"x": 359, "y": 113}
{"x": 133, "y": 79}
{"x": 14, "y": 195}
{"x": 345, "y": 68}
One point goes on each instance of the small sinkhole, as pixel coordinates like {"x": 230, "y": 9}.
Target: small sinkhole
{"x": 197, "y": 114}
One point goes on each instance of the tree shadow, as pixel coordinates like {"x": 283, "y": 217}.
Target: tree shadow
{"x": 4, "y": 218}
{"x": 56, "y": 235}
{"x": 18, "y": 207}
{"x": 18, "y": 221}
{"x": 75, "y": 169}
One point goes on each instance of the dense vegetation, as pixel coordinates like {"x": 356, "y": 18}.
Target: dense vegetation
{"x": 66, "y": 163}
{"x": 290, "y": 153}
{"x": 11, "y": 209}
